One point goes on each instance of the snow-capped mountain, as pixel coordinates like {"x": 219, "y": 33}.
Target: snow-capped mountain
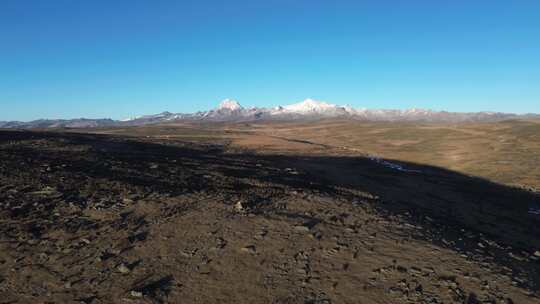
{"x": 232, "y": 110}
{"x": 230, "y": 104}
{"x": 310, "y": 106}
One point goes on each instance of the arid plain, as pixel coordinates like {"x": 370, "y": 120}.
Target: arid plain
{"x": 333, "y": 211}
{"x": 507, "y": 152}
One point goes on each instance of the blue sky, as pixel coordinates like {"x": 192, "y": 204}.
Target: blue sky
{"x": 66, "y": 59}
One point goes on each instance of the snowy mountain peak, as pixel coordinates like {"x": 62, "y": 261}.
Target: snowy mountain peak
{"x": 230, "y": 104}
{"x": 310, "y": 105}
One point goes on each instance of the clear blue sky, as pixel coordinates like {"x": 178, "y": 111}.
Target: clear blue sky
{"x": 67, "y": 58}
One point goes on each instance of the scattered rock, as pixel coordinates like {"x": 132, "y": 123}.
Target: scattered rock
{"x": 316, "y": 235}
{"x": 122, "y": 268}
{"x": 45, "y": 191}
{"x": 516, "y": 256}
{"x": 281, "y": 240}
{"x": 43, "y": 257}
{"x": 415, "y": 271}
{"x": 261, "y": 235}
{"x": 401, "y": 269}
{"x": 221, "y": 243}
{"x": 239, "y": 207}
{"x": 249, "y": 249}
{"x": 301, "y": 228}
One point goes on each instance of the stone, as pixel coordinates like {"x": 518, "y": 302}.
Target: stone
{"x": 261, "y": 235}
{"x": 316, "y": 235}
{"x": 249, "y": 249}
{"x": 301, "y": 228}
{"x": 136, "y": 294}
{"x": 238, "y": 206}
{"x": 122, "y": 268}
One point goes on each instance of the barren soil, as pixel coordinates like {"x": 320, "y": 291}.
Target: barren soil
{"x": 162, "y": 215}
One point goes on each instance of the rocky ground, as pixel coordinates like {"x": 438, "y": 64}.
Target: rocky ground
{"x": 115, "y": 219}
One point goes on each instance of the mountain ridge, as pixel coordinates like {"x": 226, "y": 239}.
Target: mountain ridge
{"x": 232, "y": 110}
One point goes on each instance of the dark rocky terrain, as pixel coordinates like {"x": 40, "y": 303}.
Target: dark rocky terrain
{"x": 88, "y": 218}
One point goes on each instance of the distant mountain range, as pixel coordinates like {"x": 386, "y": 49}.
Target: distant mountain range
{"x": 309, "y": 109}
